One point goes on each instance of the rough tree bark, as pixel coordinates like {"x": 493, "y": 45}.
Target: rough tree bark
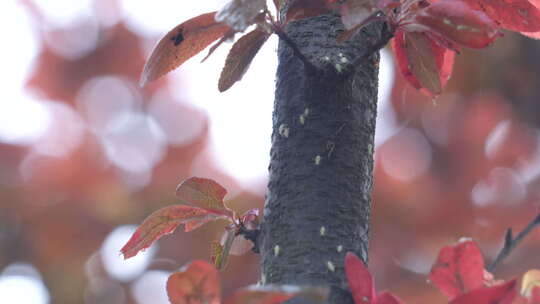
{"x": 319, "y": 193}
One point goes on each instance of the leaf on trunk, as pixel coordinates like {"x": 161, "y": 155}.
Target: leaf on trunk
{"x": 355, "y": 12}
{"x": 239, "y": 14}
{"x": 423, "y": 62}
{"x": 499, "y": 294}
{"x": 182, "y": 43}
{"x": 221, "y": 249}
{"x": 204, "y": 193}
{"x": 456, "y": 21}
{"x": 514, "y": 15}
{"x": 458, "y": 269}
{"x": 359, "y": 279}
{"x": 301, "y": 9}
{"x": 275, "y": 294}
{"x": 197, "y": 283}
{"x": 164, "y": 221}
{"x": 240, "y": 57}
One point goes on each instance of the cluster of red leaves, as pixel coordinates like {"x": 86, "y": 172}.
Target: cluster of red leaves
{"x": 458, "y": 273}
{"x": 198, "y": 282}
{"x": 427, "y": 33}
{"x": 202, "y": 202}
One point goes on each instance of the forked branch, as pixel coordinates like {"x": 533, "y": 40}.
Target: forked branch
{"x": 510, "y": 242}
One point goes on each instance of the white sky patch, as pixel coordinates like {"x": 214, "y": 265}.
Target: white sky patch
{"x": 61, "y": 13}
{"x": 114, "y": 263}
{"x": 21, "y": 284}
{"x": 149, "y": 18}
{"x": 151, "y": 288}
{"x": 240, "y": 118}
{"x": 23, "y": 120}
{"x": 386, "y": 121}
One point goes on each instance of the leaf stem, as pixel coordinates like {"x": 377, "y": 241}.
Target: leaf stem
{"x": 510, "y": 242}
{"x": 250, "y": 235}
{"x": 296, "y": 51}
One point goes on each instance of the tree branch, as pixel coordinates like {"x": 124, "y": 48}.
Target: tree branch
{"x": 297, "y": 53}
{"x": 250, "y": 235}
{"x": 510, "y": 242}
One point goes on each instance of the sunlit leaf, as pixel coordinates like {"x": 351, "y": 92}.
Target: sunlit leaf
{"x": 239, "y": 14}
{"x": 456, "y": 21}
{"x": 530, "y": 281}
{"x": 499, "y": 294}
{"x": 204, "y": 193}
{"x": 458, "y": 269}
{"x": 221, "y": 249}
{"x": 240, "y": 57}
{"x": 197, "y": 283}
{"x": 182, "y": 43}
{"x": 162, "y": 222}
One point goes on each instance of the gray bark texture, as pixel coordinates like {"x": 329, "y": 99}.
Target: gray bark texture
{"x": 319, "y": 194}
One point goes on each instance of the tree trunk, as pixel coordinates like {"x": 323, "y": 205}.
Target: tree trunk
{"x": 319, "y": 193}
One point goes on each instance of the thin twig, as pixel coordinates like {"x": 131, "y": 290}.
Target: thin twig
{"x": 387, "y": 34}
{"x": 296, "y": 51}
{"x": 510, "y": 242}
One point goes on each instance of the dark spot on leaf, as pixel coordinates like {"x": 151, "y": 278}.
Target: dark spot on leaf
{"x": 178, "y": 38}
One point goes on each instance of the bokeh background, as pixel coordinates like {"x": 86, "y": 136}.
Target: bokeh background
{"x": 86, "y": 154}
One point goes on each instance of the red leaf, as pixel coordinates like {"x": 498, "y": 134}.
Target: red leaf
{"x": 301, "y": 9}
{"x": 162, "y": 222}
{"x": 459, "y": 269}
{"x": 355, "y": 12}
{"x": 182, "y": 43}
{"x": 514, "y": 15}
{"x": 499, "y": 294}
{"x": 204, "y": 193}
{"x": 198, "y": 283}
{"x": 240, "y": 57}
{"x": 270, "y": 294}
{"x": 423, "y": 62}
{"x": 239, "y": 14}
{"x": 387, "y": 298}
{"x": 456, "y": 21}
{"x": 359, "y": 278}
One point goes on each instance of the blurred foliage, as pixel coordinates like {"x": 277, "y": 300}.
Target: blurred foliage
{"x": 466, "y": 164}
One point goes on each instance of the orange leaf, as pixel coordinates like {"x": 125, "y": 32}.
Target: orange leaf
{"x": 423, "y": 62}
{"x": 182, "y": 43}
{"x": 197, "y": 283}
{"x": 204, "y": 193}
{"x": 240, "y": 57}
{"x": 162, "y": 222}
